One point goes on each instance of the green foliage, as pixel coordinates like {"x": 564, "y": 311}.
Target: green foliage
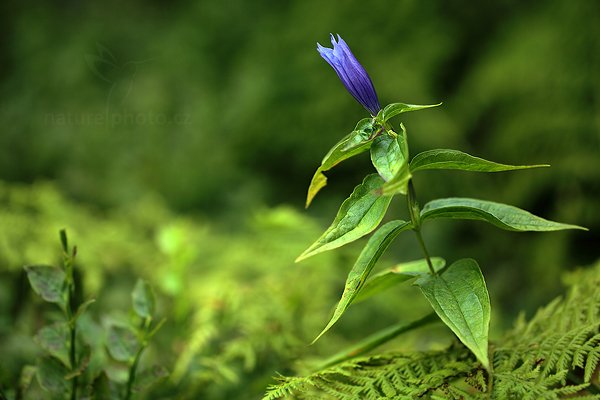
{"x": 553, "y": 355}
{"x": 460, "y": 298}
{"x": 500, "y": 215}
{"x": 358, "y": 215}
{"x": 454, "y": 159}
{"x": 373, "y": 250}
{"x": 64, "y": 371}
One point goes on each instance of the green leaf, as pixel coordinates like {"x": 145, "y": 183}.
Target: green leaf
{"x": 398, "y": 183}
{"x": 26, "y": 377}
{"x": 143, "y": 299}
{"x": 47, "y": 281}
{"x": 387, "y": 156}
{"x": 55, "y": 339}
{"x": 391, "y": 110}
{"x": 375, "y": 247}
{"x": 82, "y": 308}
{"x": 101, "y": 388}
{"x": 460, "y": 298}
{"x": 51, "y": 375}
{"x": 358, "y": 215}
{"x": 395, "y": 275}
{"x": 122, "y": 342}
{"x": 356, "y": 142}
{"x": 149, "y": 377}
{"x": 454, "y": 159}
{"x": 501, "y": 215}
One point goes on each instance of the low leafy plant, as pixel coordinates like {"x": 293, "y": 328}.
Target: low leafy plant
{"x": 71, "y": 366}
{"x": 457, "y": 293}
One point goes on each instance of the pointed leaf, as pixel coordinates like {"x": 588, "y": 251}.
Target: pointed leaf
{"x": 375, "y": 247}
{"x": 356, "y": 142}
{"x": 391, "y": 110}
{"x": 51, "y": 375}
{"x": 501, "y": 215}
{"x": 55, "y": 339}
{"x": 122, "y": 342}
{"x": 143, "y": 299}
{"x": 82, "y": 308}
{"x": 47, "y": 281}
{"x": 454, "y": 159}
{"x": 397, "y": 274}
{"x": 460, "y": 298}
{"x": 358, "y": 215}
{"x": 387, "y": 155}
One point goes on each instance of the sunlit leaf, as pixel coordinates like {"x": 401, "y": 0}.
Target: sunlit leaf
{"x": 395, "y": 275}
{"x": 386, "y": 155}
{"x": 358, "y": 215}
{"x": 356, "y": 142}
{"x": 454, "y": 159}
{"x": 460, "y": 298}
{"x": 375, "y": 247}
{"x": 47, "y": 281}
{"x": 143, "y": 299}
{"x": 391, "y": 110}
{"x": 501, "y": 215}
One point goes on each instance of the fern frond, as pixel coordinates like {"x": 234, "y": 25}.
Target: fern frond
{"x": 554, "y": 355}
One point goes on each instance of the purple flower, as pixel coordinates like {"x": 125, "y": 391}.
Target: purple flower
{"x": 351, "y": 73}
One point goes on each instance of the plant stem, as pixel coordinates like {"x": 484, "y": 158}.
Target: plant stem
{"x": 132, "y": 372}
{"x": 415, "y": 216}
{"x": 68, "y": 261}
{"x": 422, "y": 244}
{"x": 377, "y": 339}
{"x": 145, "y": 326}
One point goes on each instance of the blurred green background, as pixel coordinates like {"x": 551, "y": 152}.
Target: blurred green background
{"x": 175, "y": 141}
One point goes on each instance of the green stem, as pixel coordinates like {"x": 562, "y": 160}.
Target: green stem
{"x": 415, "y": 216}
{"x": 377, "y": 339}
{"x": 145, "y": 326}
{"x": 70, "y": 312}
{"x": 422, "y": 244}
{"x": 132, "y": 372}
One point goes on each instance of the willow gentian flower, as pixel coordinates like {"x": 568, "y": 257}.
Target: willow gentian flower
{"x": 351, "y": 73}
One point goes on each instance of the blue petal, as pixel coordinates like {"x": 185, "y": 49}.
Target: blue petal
{"x": 352, "y": 74}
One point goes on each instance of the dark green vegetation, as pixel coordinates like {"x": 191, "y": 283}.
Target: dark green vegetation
{"x": 165, "y": 136}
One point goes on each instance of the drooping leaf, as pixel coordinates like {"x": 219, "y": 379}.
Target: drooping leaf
{"x": 51, "y": 375}
{"x": 358, "y": 215}
{"x": 387, "y": 156}
{"x": 143, "y": 299}
{"x": 460, "y": 298}
{"x": 356, "y": 142}
{"x": 122, "y": 342}
{"x": 55, "y": 339}
{"x": 391, "y": 110}
{"x": 375, "y": 247}
{"x": 47, "y": 281}
{"x": 454, "y": 159}
{"x": 501, "y": 215}
{"x": 395, "y": 275}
